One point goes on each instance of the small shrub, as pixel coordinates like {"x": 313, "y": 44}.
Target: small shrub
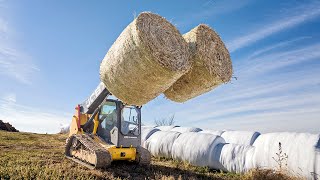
{"x": 281, "y": 159}
{"x": 165, "y": 121}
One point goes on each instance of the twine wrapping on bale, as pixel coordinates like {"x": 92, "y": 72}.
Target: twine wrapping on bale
{"x": 212, "y": 65}
{"x": 145, "y": 60}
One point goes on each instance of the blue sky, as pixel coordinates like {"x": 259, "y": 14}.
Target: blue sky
{"x": 50, "y": 53}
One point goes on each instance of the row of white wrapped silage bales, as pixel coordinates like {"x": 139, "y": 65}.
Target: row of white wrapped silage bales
{"x": 200, "y": 148}
{"x": 234, "y": 137}
{"x": 192, "y": 145}
{"x": 248, "y": 150}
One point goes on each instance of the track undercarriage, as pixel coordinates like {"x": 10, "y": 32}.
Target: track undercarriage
{"x": 82, "y": 149}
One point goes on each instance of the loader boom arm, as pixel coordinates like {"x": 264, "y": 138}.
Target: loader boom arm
{"x": 95, "y": 99}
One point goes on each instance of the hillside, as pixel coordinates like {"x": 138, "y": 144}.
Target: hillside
{"x": 40, "y": 156}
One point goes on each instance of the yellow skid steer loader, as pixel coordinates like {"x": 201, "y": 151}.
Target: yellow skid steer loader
{"x": 105, "y": 130}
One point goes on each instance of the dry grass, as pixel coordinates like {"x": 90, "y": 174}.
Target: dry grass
{"x": 145, "y": 60}
{"x": 212, "y": 65}
{"x": 267, "y": 174}
{"x": 40, "y": 156}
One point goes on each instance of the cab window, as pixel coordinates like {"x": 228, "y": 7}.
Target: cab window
{"x": 129, "y": 121}
{"x": 109, "y": 112}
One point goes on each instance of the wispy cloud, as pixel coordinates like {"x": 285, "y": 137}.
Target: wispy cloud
{"x": 213, "y": 8}
{"x": 277, "y": 60}
{"x": 260, "y": 99}
{"x": 31, "y": 119}
{"x": 3, "y": 27}
{"x": 16, "y": 64}
{"x": 276, "y": 46}
{"x": 294, "y": 120}
{"x": 13, "y": 62}
{"x": 301, "y": 15}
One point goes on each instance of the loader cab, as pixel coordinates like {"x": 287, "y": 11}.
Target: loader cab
{"x": 120, "y": 124}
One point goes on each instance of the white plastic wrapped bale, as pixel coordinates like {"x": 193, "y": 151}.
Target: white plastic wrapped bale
{"x": 317, "y": 162}
{"x": 316, "y": 168}
{"x": 214, "y": 132}
{"x": 240, "y": 137}
{"x": 186, "y": 129}
{"x": 165, "y": 128}
{"x": 234, "y": 157}
{"x": 197, "y": 149}
{"x": 160, "y": 143}
{"x": 146, "y": 132}
{"x": 300, "y": 148}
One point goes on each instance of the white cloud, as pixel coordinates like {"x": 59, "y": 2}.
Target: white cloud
{"x": 10, "y": 98}
{"x": 260, "y": 99}
{"x": 16, "y": 64}
{"x": 294, "y": 120}
{"x": 275, "y": 47}
{"x": 3, "y": 27}
{"x": 13, "y": 62}
{"x": 277, "y": 60}
{"x": 31, "y": 119}
{"x": 299, "y": 16}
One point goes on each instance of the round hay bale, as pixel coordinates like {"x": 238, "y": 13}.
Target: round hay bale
{"x": 212, "y": 65}
{"x": 145, "y": 60}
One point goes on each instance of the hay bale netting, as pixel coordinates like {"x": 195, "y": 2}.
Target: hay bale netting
{"x": 197, "y": 149}
{"x": 301, "y": 149}
{"x": 212, "y": 65}
{"x": 234, "y": 157}
{"x": 146, "y": 132}
{"x": 160, "y": 143}
{"x": 145, "y": 60}
{"x": 186, "y": 129}
{"x": 240, "y": 137}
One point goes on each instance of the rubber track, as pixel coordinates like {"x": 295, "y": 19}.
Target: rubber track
{"x": 103, "y": 157}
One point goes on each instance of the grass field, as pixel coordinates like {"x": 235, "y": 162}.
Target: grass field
{"x": 40, "y": 156}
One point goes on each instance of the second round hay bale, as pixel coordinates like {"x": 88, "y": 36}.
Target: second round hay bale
{"x": 212, "y": 65}
{"x": 145, "y": 60}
